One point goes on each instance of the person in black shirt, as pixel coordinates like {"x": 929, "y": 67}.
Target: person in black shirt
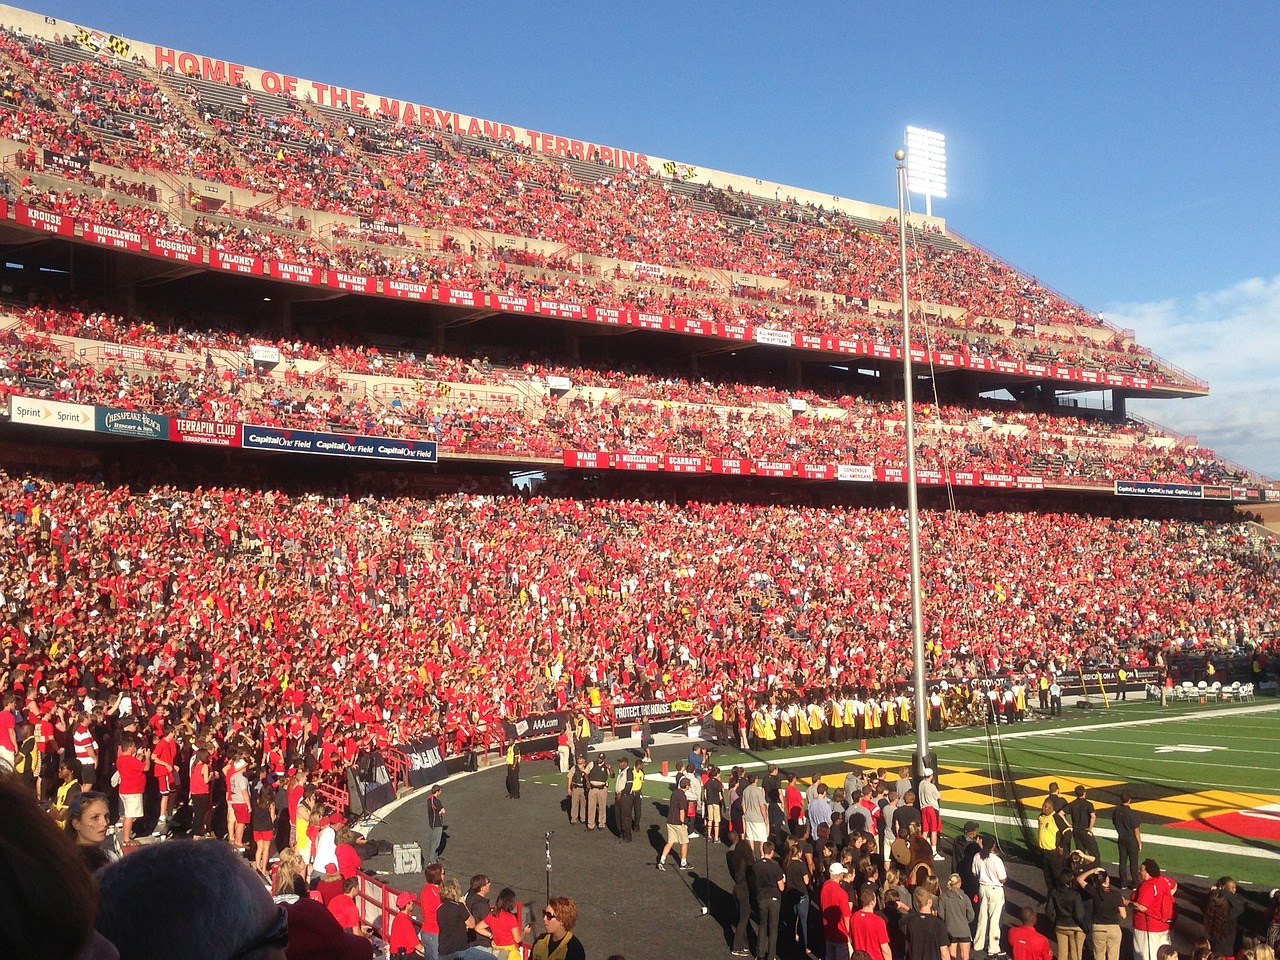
{"x": 1082, "y": 814}
{"x": 740, "y": 860}
{"x": 963, "y": 849}
{"x": 713, "y": 801}
{"x": 769, "y": 885}
{"x": 926, "y": 932}
{"x": 1059, "y": 804}
{"x": 795, "y": 895}
{"x": 1128, "y": 839}
{"x": 1108, "y": 911}
{"x": 478, "y": 903}
{"x": 677, "y": 826}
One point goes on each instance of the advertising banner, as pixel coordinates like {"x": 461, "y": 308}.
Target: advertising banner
{"x": 131, "y": 423}
{"x": 1144, "y": 488}
{"x": 536, "y": 725}
{"x": 51, "y": 413}
{"x": 264, "y": 353}
{"x": 645, "y": 710}
{"x": 207, "y": 432}
{"x": 426, "y": 764}
{"x": 337, "y": 444}
{"x": 368, "y": 783}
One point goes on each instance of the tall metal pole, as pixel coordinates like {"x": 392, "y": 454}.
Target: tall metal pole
{"x": 913, "y": 507}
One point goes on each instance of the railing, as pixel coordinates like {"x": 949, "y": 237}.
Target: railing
{"x": 1191, "y": 440}
{"x": 1189, "y": 377}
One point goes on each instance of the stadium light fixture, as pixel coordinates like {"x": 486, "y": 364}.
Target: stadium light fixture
{"x": 927, "y": 165}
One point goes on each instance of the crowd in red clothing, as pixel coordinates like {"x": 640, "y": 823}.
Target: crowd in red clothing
{"x": 390, "y": 175}
{"x": 261, "y": 612}
{"x": 639, "y": 412}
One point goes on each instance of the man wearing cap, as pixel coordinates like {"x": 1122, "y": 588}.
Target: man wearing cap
{"x": 930, "y": 800}
{"x": 597, "y": 792}
{"x": 964, "y": 849}
{"x": 837, "y": 915}
{"x": 576, "y": 790}
{"x": 403, "y": 935}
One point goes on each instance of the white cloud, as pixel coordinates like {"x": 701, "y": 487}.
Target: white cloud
{"x": 1230, "y": 338}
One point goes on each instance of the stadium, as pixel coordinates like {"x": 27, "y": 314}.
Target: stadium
{"x": 351, "y": 444}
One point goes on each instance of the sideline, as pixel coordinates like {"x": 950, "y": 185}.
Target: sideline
{"x": 369, "y": 823}
{"x": 1039, "y": 731}
{"x": 1148, "y": 839}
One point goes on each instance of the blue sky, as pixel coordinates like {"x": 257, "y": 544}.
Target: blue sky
{"x": 1126, "y": 154}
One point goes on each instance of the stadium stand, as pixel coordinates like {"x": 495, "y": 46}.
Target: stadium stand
{"x": 703, "y": 383}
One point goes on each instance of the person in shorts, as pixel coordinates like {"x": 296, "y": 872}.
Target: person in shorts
{"x": 713, "y": 799}
{"x": 677, "y": 826}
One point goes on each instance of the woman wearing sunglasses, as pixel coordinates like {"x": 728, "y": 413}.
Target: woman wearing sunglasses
{"x": 559, "y": 943}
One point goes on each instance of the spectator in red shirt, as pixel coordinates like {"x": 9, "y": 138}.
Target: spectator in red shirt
{"x": 404, "y": 938}
{"x": 837, "y": 917}
{"x": 869, "y": 930}
{"x": 1025, "y": 941}
{"x": 132, "y": 765}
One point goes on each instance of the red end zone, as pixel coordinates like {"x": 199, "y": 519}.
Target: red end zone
{"x": 1261, "y": 824}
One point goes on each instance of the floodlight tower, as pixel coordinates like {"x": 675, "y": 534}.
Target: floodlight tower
{"x": 927, "y": 165}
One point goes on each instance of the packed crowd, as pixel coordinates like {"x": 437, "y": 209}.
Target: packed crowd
{"x": 643, "y": 410}
{"x": 389, "y": 174}
{"x": 511, "y": 272}
{"x": 264, "y": 615}
{"x": 859, "y": 870}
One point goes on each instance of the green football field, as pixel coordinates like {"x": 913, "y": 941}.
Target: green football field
{"x": 1203, "y": 778}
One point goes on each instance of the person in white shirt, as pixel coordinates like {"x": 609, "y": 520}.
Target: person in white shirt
{"x": 991, "y": 874}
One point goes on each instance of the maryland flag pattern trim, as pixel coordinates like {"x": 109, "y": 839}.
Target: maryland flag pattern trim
{"x": 100, "y": 42}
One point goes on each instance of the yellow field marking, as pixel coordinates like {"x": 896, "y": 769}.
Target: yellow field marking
{"x": 1209, "y": 803}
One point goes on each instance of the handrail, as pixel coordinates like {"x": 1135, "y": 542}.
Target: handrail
{"x": 1192, "y": 378}
{"x": 1190, "y": 439}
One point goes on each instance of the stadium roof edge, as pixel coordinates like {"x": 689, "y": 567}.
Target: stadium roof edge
{"x": 325, "y": 94}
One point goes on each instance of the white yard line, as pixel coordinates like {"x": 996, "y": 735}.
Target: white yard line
{"x": 1148, "y": 839}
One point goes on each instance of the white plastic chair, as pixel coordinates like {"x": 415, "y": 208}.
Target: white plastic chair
{"x": 1233, "y": 693}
